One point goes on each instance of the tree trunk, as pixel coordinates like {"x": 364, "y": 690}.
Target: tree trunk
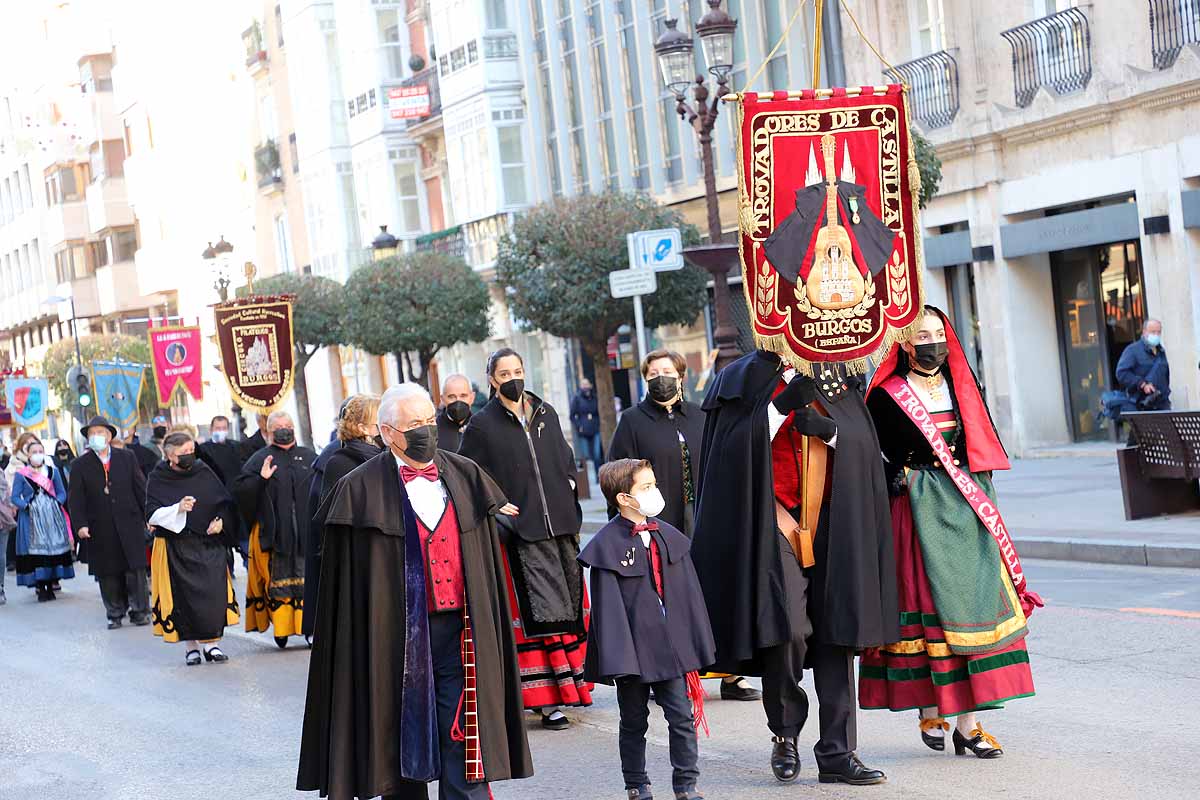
{"x": 604, "y": 390}
{"x": 305, "y": 421}
{"x": 425, "y": 359}
{"x": 400, "y": 365}
{"x": 412, "y": 373}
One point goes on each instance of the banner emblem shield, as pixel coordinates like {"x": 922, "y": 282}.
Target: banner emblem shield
{"x": 257, "y": 357}
{"x": 118, "y": 387}
{"x": 829, "y": 230}
{"x": 27, "y": 399}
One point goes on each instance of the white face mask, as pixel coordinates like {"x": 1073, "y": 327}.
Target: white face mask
{"x": 650, "y": 502}
{"x": 37, "y": 458}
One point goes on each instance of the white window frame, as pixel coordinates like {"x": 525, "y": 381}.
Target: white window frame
{"x": 936, "y": 14}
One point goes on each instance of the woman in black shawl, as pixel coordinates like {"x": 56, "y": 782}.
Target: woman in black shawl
{"x": 191, "y": 592}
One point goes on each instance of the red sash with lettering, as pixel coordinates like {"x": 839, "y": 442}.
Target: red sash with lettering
{"x": 899, "y": 390}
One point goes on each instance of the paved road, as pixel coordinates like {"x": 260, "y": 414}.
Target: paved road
{"x": 85, "y": 712}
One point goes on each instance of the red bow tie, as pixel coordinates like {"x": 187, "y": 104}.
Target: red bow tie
{"x": 429, "y": 472}
{"x": 645, "y": 526}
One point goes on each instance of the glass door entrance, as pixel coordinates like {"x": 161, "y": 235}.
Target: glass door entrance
{"x": 1100, "y": 307}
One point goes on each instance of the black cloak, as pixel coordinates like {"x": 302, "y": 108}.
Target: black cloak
{"x": 196, "y": 560}
{"x": 790, "y": 244}
{"x": 449, "y": 432}
{"x": 852, "y": 598}
{"x": 652, "y": 432}
{"x": 632, "y": 633}
{"x": 336, "y": 461}
{"x": 535, "y": 470}
{"x": 116, "y": 520}
{"x": 279, "y": 508}
{"x": 370, "y": 724}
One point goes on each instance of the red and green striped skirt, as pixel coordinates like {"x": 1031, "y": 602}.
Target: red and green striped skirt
{"x": 921, "y": 670}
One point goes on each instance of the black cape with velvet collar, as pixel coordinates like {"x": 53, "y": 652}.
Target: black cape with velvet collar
{"x": 852, "y": 593}
{"x": 370, "y": 723}
{"x": 630, "y": 634}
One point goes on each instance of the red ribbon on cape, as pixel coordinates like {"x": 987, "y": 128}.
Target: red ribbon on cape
{"x": 899, "y": 390}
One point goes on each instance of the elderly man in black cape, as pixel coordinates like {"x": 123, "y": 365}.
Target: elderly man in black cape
{"x": 771, "y": 616}
{"x": 414, "y": 673}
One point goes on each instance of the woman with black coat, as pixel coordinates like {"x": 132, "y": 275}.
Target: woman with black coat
{"x": 518, "y": 440}
{"x": 357, "y": 432}
{"x": 667, "y": 430}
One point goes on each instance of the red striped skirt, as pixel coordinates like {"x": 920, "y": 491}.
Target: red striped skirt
{"x": 920, "y": 670}
{"x": 551, "y": 666}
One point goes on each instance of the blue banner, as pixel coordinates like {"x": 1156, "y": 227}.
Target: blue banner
{"x": 118, "y": 386}
{"x": 27, "y": 399}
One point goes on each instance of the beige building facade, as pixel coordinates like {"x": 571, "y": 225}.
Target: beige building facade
{"x": 1068, "y": 211}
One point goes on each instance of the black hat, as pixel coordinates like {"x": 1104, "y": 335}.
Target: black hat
{"x": 99, "y": 422}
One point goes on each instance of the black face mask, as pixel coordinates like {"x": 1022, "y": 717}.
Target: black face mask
{"x": 421, "y": 443}
{"x": 513, "y": 390}
{"x": 663, "y": 388}
{"x": 160, "y": 432}
{"x": 931, "y": 355}
{"x": 63, "y": 455}
{"x": 185, "y": 461}
{"x": 378, "y": 440}
{"x": 586, "y": 392}
{"x": 283, "y": 436}
{"x": 458, "y": 412}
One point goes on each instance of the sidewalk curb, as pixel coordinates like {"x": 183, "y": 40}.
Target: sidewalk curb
{"x": 1102, "y": 552}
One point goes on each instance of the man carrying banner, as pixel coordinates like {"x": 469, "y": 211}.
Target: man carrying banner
{"x": 963, "y": 597}
{"x": 793, "y": 547}
{"x": 272, "y": 493}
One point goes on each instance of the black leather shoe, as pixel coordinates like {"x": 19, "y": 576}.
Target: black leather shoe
{"x": 732, "y": 690}
{"x": 113, "y": 624}
{"x": 981, "y": 744}
{"x": 192, "y": 658}
{"x": 934, "y": 742}
{"x": 281, "y": 642}
{"x": 214, "y": 654}
{"x": 142, "y": 620}
{"x": 785, "y": 759}
{"x": 556, "y": 721}
{"x": 642, "y": 792}
{"x": 850, "y": 771}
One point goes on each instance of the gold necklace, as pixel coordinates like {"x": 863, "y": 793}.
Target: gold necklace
{"x": 933, "y": 383}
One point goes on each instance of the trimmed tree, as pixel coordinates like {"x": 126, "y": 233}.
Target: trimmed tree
{"x": 556, "y": 263}
{"x": 929, "y": 165}
{"x": 317, "y": 314}
{"x": 60, "y": 357}
{"x": 415, "y": 303}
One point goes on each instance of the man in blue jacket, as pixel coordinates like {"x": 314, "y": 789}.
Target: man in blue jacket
{"x": 1143, "y": 371}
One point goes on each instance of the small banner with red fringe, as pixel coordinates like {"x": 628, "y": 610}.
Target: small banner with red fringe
{"x": 829, "y": 225}
{"x": 254, "y": 335}
{"x": 175, "y": 356}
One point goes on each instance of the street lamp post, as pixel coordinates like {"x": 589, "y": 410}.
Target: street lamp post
{"x": 384, "y": 245}
{"x": 674, "y": 51}
{"x": 217, "y": 257}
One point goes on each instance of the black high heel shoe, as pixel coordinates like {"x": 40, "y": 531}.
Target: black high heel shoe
{"x": 214, "y": 654}
{"x": 981, "y": 744}
{"x": 934, "y": 742}
{"x": 192, "y": 658}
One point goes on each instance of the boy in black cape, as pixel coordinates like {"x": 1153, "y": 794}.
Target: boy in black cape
{"x": 649, "y": 625}
{"x": 771, "y": 615}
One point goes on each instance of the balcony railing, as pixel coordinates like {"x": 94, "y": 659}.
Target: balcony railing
{"x": 451, "y": 242}
{"x": 1173, "y": 24}
{"x": 1054, "y": 51}
{"x": 933, "y": 84}
{"x": 256, "y": 52}
{"x": 267, "y": 166}
{"x": 428, "y": 78}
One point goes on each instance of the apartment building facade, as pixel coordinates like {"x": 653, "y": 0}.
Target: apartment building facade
{"x": 1069, "y": 206}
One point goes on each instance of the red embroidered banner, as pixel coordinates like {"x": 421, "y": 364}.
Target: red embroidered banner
{"x": 980, "y": 503}
{"x": 255, "y": 337}
{"x": 175, "y": 354}
{"x": 829, "y": 231}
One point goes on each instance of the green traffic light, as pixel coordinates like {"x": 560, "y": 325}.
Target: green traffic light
{"x": 85, "y": 400}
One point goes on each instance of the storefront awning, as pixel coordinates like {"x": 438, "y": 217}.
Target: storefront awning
{"x": 1101, "y": 225}
{"x": 948, "y": 249}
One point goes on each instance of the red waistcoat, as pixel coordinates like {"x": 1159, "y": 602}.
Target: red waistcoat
{"x": 442, "y": 549}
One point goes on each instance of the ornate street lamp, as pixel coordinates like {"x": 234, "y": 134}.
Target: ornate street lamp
{"x": 674, "y": 51}
{"x": 217, "y": 257}
{"x": 384, "y": 245}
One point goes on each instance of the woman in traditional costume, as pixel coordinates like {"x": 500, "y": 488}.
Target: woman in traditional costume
{"x": 191, "y": 592}
{"x": 517, "y": 439}
{"x": 963, "y": 605}
{"x": 43, "y": 544}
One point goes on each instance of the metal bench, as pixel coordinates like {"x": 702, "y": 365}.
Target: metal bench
{"x": 1159, "y": 475}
